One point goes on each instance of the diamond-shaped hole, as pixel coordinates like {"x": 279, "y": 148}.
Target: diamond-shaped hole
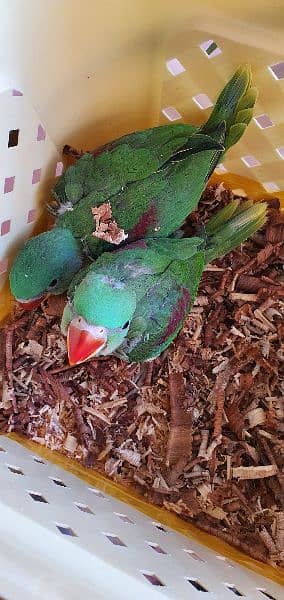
{"x": 277, "y": 70}
{"x": 36, "y": 176}
{"x": 234, "y": 589}
{"x": 266, "y": 593}
{"x": 97, "y": 493}
{"x": 210, "y": 48}
{"x": 153, "y": 579}
{"x": 114, "y": 539}
{"x": 59, "y": 168}
{"x": 84, "y": 508}
{"x": 171, "y": 113}
{"x": 263, "y": 121}
{"x": 225, "y": 560}
{"x": 203, "y": 101}
{"x": 38, "y": 497}
{"x": 220, "y": 169}
{"x": 175, "y": 67}
{"x": 9, "y": 183}
{"x": 124, "y": 518}
{"x": 2, "y": 449}
{"x": 250, "y": 161}
{"x": 65, "y": 529}
{"x": 41, "y": 134}
{"x": 160, "y": 527}
{"x": 156, "y": 548}
{"x": 13, "y": 139}
{"x": 5, "y": 227}
{"x": 197, "y": 585}
{"x": 15, "y": 470}
{"x": 194, "y": 555}
{"x": 39, "y": 460}
{"x": 271, "y": 186}
{"x": 17, "y": 93}
{"x": 280, "y": 152}
{"x": 31, "y": 215}
{"x": 58, "y": 482}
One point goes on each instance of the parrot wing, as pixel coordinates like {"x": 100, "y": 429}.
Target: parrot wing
{"x": 162, "y": 310}
{"x": 130, "y": 158}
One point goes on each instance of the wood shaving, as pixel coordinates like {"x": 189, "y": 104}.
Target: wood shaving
{"x": 199, "y": 430}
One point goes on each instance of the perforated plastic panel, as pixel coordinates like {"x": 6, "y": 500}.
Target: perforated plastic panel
{"x": 80, "y": 524}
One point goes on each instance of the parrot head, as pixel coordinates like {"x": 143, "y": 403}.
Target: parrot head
{"x": 45, "y": 264}
{"x": 101, "y": 314}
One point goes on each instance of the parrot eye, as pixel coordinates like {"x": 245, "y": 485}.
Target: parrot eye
{"x": 53, "y": 283}
{"x": 125, "y": 325}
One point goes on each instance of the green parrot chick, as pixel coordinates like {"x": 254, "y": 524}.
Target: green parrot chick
{"x": 108, "y": 307}
{"x": 32, "y": 275}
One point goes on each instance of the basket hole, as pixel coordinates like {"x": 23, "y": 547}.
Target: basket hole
{"x": 36, "y": 176}
{"x": 194, "y": 555}
{"x": 267, "y": 594}
{"x": 203, "y": 101}
{"x": 263, "y": 121}
{"x": 66, "y": 530}
{"x": 13, "y": 139}
{"x": 84, "y": 508}
{"x": 156, "y": 548}
{"x": 124, "y": 518}
{"x": 2, "y": 449}
{"x": 38, "y": 460}
{"x": 38, "y": 497}
{"x": 58, "y": 168}
{"x": 234, "y": 589}
{"x": 17, "y": 93}
{"x": 280, "y": 152}
{"x": 171, "y": 113}
{"x": 271, "y": 186}
{"x": 175, "y": 67}
{"x": 97, "y": 493}
{"x": 9, "y": 183}
{"x": 58, "y": 482}
{"x": 210, "y": 48}
{"x": 277, "y": 70}
{"x": 197, "y": 585}
{"x": 114, "y": 539}
{"x": 3, "y": 269}
{"x": 160, "y": 527}
{"x": 15, "y": 470}
{"x": 220, "y": 169}
{"x": 31, "y": 215}
{"x": 250, "y": 161}
{"x": 225, "y": 560}
{"x": 5, "y": 227}
{"x": 41, "y": 134}
{"x": 153, "y": 579}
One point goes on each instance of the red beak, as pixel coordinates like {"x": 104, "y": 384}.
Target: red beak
{"x": 81, "y": 344}
{"x": 30, "y": 304}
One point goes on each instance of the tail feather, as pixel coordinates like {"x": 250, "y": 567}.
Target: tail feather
{"x": 226, "y": 231}
{"x": 234, "y": 106}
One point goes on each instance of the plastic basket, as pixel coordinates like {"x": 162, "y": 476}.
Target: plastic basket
{"x": 84, "y": 73}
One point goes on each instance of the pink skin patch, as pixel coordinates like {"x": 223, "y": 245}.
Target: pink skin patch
{"x": 58, "y": 169}
{"x": 36, "y": 176}
{"x": 31, "y": 215}
{"x": 3, "y": 266}
{"x": 5, "y": 227}
{"x": 41, "y": 134}
{"x": 9, "y": 184}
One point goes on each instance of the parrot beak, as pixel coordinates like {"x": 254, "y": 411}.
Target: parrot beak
{"x": 84, "y": 341}
{"x": 30, "y": 304}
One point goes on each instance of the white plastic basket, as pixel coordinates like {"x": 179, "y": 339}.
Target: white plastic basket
{"x": 84, "y": 73}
